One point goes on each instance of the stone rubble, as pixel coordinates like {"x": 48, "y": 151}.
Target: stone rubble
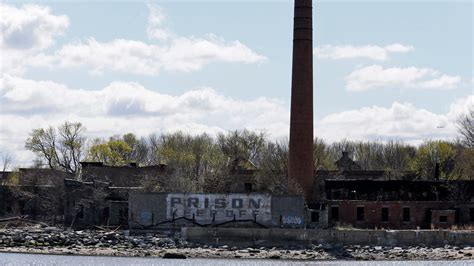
{"x": 88, "y": 242}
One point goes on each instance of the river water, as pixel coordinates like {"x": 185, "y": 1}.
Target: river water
{"x": 14, "y": 259}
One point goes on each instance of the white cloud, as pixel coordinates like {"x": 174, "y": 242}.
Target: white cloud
{"x": 374, "y": 52}
{"x": 155, "y": 23}
{"x": 401, "y": 121}
{"x": 181, "y": 54}
{"x": 171, "y": 53}
{"x": 125, "y": 106}
{"x": 26, "y": 31}
{"x": 376, "y": 76}
{"x": 29, "y": 27}
{"x": 122, "y": 107}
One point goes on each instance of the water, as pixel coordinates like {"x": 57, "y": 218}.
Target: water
{"x": 14, "y": 259}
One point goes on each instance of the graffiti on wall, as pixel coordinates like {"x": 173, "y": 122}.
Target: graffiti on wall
{"x": 218, "y": 207}
{"x": 292, "y": 220}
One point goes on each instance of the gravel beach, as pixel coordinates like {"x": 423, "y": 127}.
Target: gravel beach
{"x": 119, "y": 243}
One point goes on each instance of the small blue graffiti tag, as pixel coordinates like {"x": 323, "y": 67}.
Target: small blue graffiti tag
{"x": 145, "y": 217}
{"x": 292, "y": 219}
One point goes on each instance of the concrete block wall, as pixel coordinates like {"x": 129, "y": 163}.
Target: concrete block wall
{"x": 148, "y": 209}
{"x": 284, "y": 237}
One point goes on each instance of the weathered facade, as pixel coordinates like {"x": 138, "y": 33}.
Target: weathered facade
{"x": 121, "y": 176}
{"x": 154, "y": 210}
{"x": 381, "y": 199}
{"x": 348, "y": 197}
{"x": 95, "y": 203}
{"x": 101, "y": 198}
{"x": 38, "y": 193}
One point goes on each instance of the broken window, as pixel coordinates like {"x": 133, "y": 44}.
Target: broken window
{"x": 360, "y": 213}
{"x": 384, "y": 214}
{"x": 315, "y": 217}
{"x": 335, "y": 213}
{"x": 406, "y": 214}
{"x": 443, "y": 219}
{"x": 336, "y": 194}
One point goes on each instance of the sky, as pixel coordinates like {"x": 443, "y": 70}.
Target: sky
{"x": 383, "y": 70}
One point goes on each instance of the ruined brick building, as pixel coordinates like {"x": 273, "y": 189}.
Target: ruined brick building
{"x": 382, "y": 199}
{"x": 347, "y": 196}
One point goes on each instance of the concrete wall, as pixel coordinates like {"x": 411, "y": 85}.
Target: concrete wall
{"x": 146, "y": 209}
{"x": 150, "y": 209}
{"x": 284, "y": 237}
{"x": 288, "y": 212}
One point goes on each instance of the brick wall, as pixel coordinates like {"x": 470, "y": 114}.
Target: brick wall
{"x": 397, "y": 214}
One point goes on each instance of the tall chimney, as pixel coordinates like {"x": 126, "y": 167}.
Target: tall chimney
{"x": 300, "y": 165}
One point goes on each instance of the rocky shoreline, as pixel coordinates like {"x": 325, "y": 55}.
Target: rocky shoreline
{"x": 119, "y": 243}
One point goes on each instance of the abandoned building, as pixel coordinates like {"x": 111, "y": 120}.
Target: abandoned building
{"x": 101, "y": 195}
{"x": 381, "y": 199}
{"x": 346, "y": 196}
{"x": 35, "y": 192}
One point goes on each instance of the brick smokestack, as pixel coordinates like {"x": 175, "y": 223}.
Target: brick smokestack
{"x": 300, "y": 165}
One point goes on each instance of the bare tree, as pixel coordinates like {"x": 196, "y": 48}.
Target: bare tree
{"x": 466, "y": 128}
{"x": 6, "y": 160}
{"x": 61, "y": 149}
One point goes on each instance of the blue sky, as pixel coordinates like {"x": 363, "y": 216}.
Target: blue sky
{"x": 383, "y": 70}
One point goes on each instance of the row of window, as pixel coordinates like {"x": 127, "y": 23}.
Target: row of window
{"x": 406, "y": 217}
{"x": 384, "y": 214}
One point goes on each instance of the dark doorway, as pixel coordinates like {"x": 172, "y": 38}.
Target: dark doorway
{"x": 360, "y": 213}
{"x": 427, "y": 219}
{"x": 80, "y": 213}
{"x": 315, "y": 217}
{"x": 105, "y": 215}
{"x": 248, "y": 187}
{"x": 406, "y": 214}
{"x": 334, "y": 213}
{"x": 457, "y": 216}
{"x": 384, "y": 214}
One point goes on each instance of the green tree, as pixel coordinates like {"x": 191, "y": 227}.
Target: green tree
{"x": 322, "y": 155}
{"x": 112, "y": 153}
{"x": 464, "y": 159}
{"x": 429, "y": 154}
{"x": 197, "y": 161}
{"x": 242, "y": 144}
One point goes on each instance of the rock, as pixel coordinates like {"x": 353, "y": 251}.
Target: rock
{"x": 251, "y": 250}
{"x": 467, "y": 254}
{"x": 174, "y": 256}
